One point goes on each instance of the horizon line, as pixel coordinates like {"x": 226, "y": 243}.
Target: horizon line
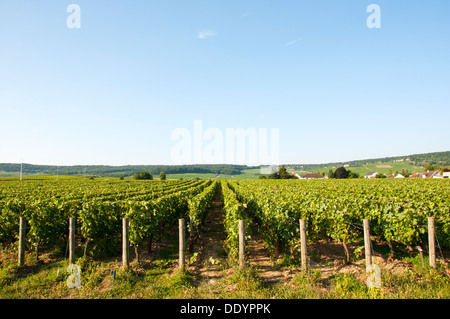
{"x": 236, "y": 164}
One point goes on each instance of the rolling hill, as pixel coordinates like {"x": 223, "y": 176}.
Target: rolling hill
{"x": 412, "y": 163}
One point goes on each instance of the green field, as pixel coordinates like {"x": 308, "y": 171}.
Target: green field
{"x": 246, "y": 174}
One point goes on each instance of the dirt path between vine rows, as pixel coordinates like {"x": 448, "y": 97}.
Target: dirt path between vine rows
{"x": 212, "y": 263}
{"x": 258, "y": 257}
{"x": 211, "y": 242}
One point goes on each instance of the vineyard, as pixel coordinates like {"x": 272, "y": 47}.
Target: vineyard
{"x": 333, "y": 210}
{"x": 98, "y": 208}
{"x": 397, "y": 210}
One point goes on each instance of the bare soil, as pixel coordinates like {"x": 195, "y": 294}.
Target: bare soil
{"x": 259, "y": 257}
{"x": 212, "y": 262}
{"x": 211, "y": 259}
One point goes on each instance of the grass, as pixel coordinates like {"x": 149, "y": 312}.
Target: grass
{"x": 190, "y": 176}
{"x": 246, "y": 174}
{"x": 160, "y": 279}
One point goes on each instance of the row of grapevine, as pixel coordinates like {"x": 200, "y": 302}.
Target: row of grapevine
{"x": 99, "y": 218}
{"x": 148, "y": 217}
{"x": 74, "y": 189}
{"x": 200, "y": 205}
{"x": 24, "y": 199}
{"x": 234, "y": 211}
{"x": 397, "y": 210}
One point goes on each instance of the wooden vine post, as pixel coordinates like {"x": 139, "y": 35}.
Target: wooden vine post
{"x": 241, "y": 244}
{"x": 22, "y": 225}
{"x": 71, "y": 240}
{"x": 182, "y": 244}
{"x": 367, "y": 246}
{"x": 125, "y": 243}
{"x": 431, "y": 242}
{"x": 303, "y": 244}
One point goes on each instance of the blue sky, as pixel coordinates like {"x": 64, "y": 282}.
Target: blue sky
{"x": 113, "y": 91}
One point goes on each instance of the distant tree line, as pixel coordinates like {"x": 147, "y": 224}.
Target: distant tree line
{"x": 281, "y": 174}
{"x": 433, "y": 167}
{"x": 148, "y": 176}
{"x": 431, "y": 161}
{"x": 128, "y": 170}
{"x": 341, "y": 173}
{"x": 440, "y": 159}
{"x": 143, "y": 176}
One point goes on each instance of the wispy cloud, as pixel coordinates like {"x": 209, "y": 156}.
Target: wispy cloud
{"x": 292, "y": 42}
{"x": 206, "y": 34}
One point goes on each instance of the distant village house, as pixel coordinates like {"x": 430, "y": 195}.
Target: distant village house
{"x": 432, "y": 174}
{"x": 312, "y": 176}
{"x": 396, "y": 175}
{"x": 371, "y": 175}
{"x": 309, "y": 176}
